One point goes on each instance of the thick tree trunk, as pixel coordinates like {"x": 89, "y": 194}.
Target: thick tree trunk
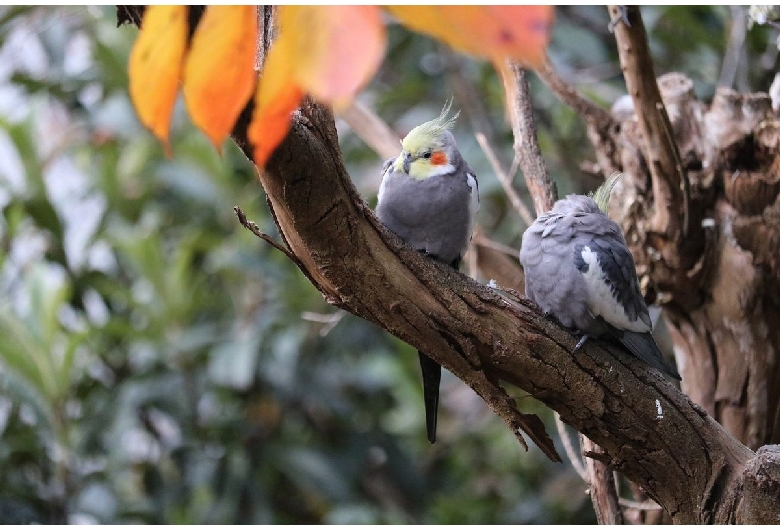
{"x": 720, "y": 292}
{"x": 718, "y": 276}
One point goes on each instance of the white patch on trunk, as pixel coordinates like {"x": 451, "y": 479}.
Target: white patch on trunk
{"x": 601, "y": 302}
{"x": 659, "y": 410}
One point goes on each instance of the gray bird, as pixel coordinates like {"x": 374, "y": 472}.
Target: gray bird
{"x": 429, "y": 198}
{"x": 578, "y": 269}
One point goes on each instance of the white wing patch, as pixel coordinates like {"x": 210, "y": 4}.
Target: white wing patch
{"x": 471, "y": 180}
{"x": 382, "y": 185}
{"x": 601, "y": 302}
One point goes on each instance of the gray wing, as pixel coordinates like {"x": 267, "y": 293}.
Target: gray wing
{"x": 578, "y": 267}
{"x": 629, "y": 320}
{"x": 552, "y": 280}
{"x": 613, "y": 287}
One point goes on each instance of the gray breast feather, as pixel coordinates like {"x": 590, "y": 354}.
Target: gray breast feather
{"x": 434, "y": 216}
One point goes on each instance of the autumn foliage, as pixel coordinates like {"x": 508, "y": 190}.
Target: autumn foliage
{"x": 329, "y": 52}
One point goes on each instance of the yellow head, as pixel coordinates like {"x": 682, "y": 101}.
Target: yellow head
{"x": 429, "y": 149}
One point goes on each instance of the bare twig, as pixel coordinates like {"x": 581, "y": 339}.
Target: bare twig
{"x": 371, "y": 129}
{"x": 601, "y": 486}
{"x": 601, "y": 123}
{"x": 472, "y": 260}
{"x": 660, "y": 148}
{"x": 573, "y": 456}
{"x": 506, "y": 180}
{"x": 252, "y": 227}
{"x": 594, "y": 115}
{"x": 330, "y": 320}
{"x": 484, "y": 133}
{"x": 542, "y": 189}
{"x": 495, "y": 245}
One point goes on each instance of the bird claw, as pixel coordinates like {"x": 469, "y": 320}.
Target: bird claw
{"x": 582, "y": 341}
{"x": 622, "y": 17}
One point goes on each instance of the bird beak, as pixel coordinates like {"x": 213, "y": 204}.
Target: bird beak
{"x": 407, "y": 162}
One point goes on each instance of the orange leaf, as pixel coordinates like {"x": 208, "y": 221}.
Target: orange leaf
{"x": 155, "y": 66}
{"x": 277, "y": 96}
{"x": 494, "y": 32}
{"x": 334, "y": 50}
{"x": 327, "y": 51}
{"x": 219, "y": 73}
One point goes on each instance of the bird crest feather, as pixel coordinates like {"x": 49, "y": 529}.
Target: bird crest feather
{"x": 602, "y": 194}
{"x": 429, "y": 134}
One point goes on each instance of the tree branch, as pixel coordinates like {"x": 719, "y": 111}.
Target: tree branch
{"x": 594, "y": 115}
{"x": 601, "y": 486}
{"x": 660, "y": 149}
{"x": 542, "y": 189}
{"x": 482, "y": 335}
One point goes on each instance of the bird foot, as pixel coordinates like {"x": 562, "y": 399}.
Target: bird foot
{"x": 582, "y": 341}
{"x": 622, "y": 17}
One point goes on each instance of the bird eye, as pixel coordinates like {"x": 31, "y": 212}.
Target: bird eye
{"x": 426, "y": 154}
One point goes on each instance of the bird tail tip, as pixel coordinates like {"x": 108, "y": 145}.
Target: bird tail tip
{"x": 643, "y": 346}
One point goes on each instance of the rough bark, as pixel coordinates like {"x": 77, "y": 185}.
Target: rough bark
{"x": 719, "y": 284}
{"x": 651, "y": 432}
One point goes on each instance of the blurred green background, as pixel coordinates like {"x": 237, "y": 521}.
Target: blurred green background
{"x": 159, "y": 364}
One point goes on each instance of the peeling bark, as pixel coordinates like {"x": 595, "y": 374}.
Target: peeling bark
{"x": 601, "y": 485}
{"x": 720, "y": 307}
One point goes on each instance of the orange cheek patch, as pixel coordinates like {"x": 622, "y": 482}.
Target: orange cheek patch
{"x": 438, "y": 158}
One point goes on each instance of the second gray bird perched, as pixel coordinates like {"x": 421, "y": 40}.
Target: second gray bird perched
{"x": 578, "y": 269}
{"x": 429, "y": 198}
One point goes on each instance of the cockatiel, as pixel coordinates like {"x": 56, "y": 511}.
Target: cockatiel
{"x": 578, "y": 269}
{"x": 429, "y": 198}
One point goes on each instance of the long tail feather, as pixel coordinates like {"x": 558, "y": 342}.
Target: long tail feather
{"x": 431, "y": 377}
{"x": 643, "y": 346}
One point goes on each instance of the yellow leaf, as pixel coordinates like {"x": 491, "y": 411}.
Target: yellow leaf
{"x": 278, "y": 95}
{"x": 494, "y": 32}
{"x": 334, "y": 50}
{"x": 155, "y": 66}
{"x": 219, "y": 74}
